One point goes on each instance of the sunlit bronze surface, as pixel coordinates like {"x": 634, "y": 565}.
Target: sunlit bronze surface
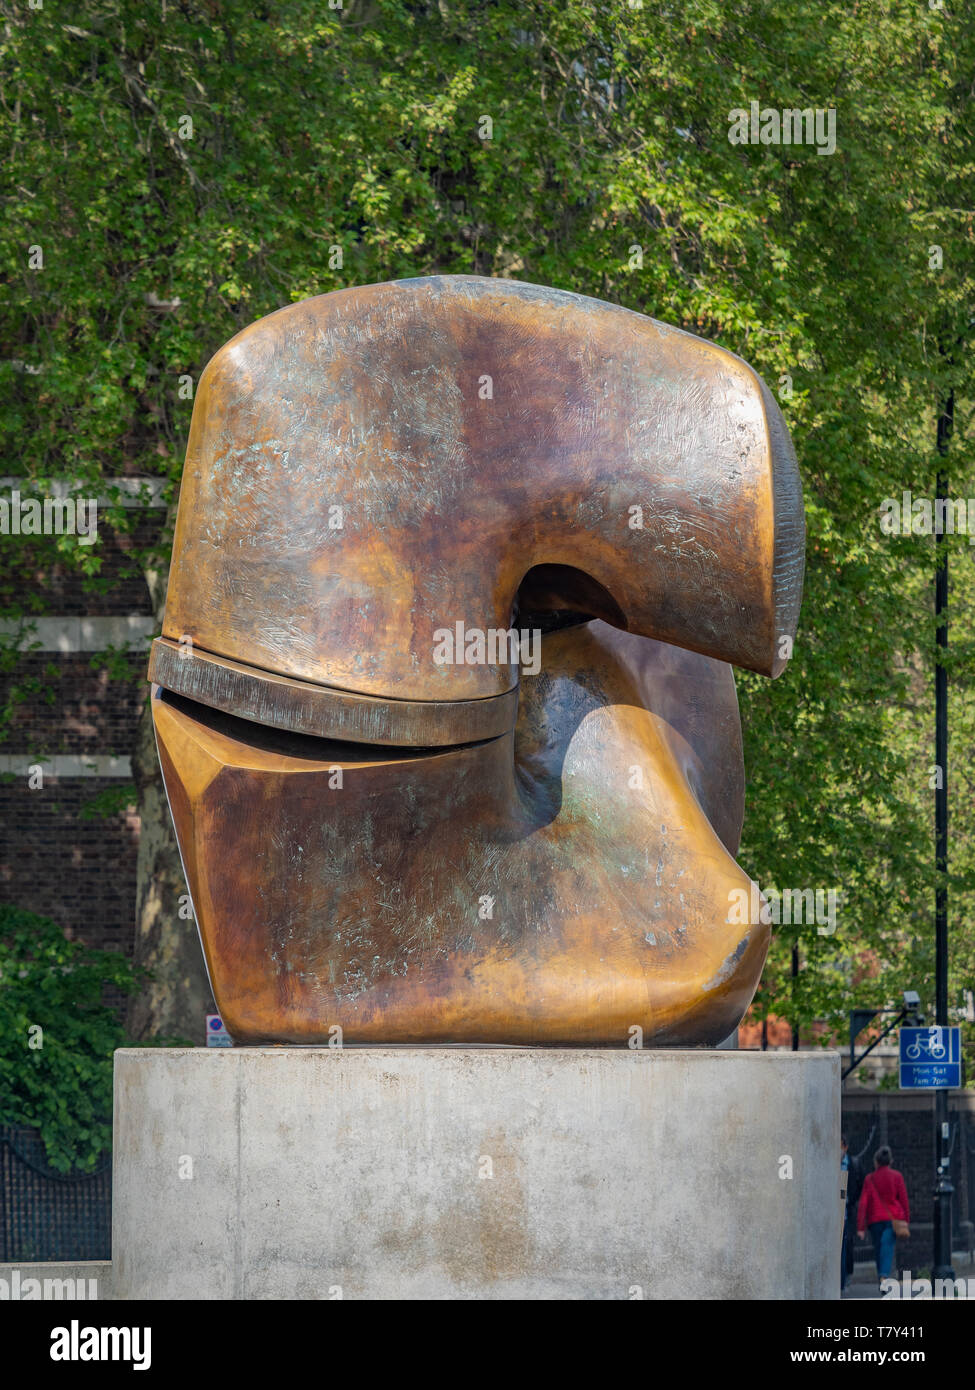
{"x": 419, "y": 852}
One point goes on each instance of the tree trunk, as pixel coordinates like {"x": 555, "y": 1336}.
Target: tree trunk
{"x": 176, "y": 999}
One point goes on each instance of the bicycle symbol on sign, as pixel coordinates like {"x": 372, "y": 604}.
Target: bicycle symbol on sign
{"x": 932, "y": 1047}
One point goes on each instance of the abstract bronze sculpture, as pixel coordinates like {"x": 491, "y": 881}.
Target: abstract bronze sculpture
{"x": 389, "y": 493}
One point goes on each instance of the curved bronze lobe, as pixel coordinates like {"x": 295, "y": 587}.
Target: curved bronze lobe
{"x": 562, "y": 884}
{"x": 373, "y": 466}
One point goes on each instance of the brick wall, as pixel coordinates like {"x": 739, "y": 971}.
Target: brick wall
{"x": 119, "y": 587}
{"x": 82, "y": 705}
{"x": 78, "y": 869}
{"x": 80, "y": 872}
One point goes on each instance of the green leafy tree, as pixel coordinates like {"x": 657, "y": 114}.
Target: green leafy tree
{"x": 57, "y": 1036}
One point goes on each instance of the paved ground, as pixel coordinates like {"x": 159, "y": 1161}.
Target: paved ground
{"x": 864, "y": 1283}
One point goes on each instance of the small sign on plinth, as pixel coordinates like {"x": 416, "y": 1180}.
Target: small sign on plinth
{"x": 217, "y": 1035}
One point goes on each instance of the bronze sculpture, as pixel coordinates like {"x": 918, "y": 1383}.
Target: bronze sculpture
{"x": 393, "y": 495}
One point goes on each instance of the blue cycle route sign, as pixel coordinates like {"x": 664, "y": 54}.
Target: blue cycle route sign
{"x": 930, "y": 1058}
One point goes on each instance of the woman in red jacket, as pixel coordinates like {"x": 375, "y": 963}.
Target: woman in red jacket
{"x": 882, "y": 1201}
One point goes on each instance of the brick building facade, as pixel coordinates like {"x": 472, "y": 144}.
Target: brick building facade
{"x": 66, "y": 851}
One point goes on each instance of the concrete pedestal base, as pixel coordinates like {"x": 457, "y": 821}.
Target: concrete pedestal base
{"x": 475, "y": 1173}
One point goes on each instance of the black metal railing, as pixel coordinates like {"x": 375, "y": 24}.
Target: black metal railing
{"x": 47, "y": 1215}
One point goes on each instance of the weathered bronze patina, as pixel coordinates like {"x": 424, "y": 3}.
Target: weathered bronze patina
{"x": 384, "y": 830}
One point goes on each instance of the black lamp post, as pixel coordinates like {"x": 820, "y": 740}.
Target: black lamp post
{"x": 943, "y": 1190}
{"x": 795, "y": 983}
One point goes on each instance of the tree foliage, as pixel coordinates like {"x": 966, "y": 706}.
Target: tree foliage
{"x": 57, "y": 1036}
{"x": 187, "y": 167}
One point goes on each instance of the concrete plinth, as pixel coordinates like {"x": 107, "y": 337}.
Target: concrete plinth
{"x": 438, "y": 1173}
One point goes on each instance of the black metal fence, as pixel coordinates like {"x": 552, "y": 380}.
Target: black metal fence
{"x": 46, "y": 1215}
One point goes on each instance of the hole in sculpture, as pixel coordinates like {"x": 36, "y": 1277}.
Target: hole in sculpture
{"x": 551, "y": 597}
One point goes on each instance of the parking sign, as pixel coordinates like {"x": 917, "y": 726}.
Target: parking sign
{"x": 217, "y": 1035}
